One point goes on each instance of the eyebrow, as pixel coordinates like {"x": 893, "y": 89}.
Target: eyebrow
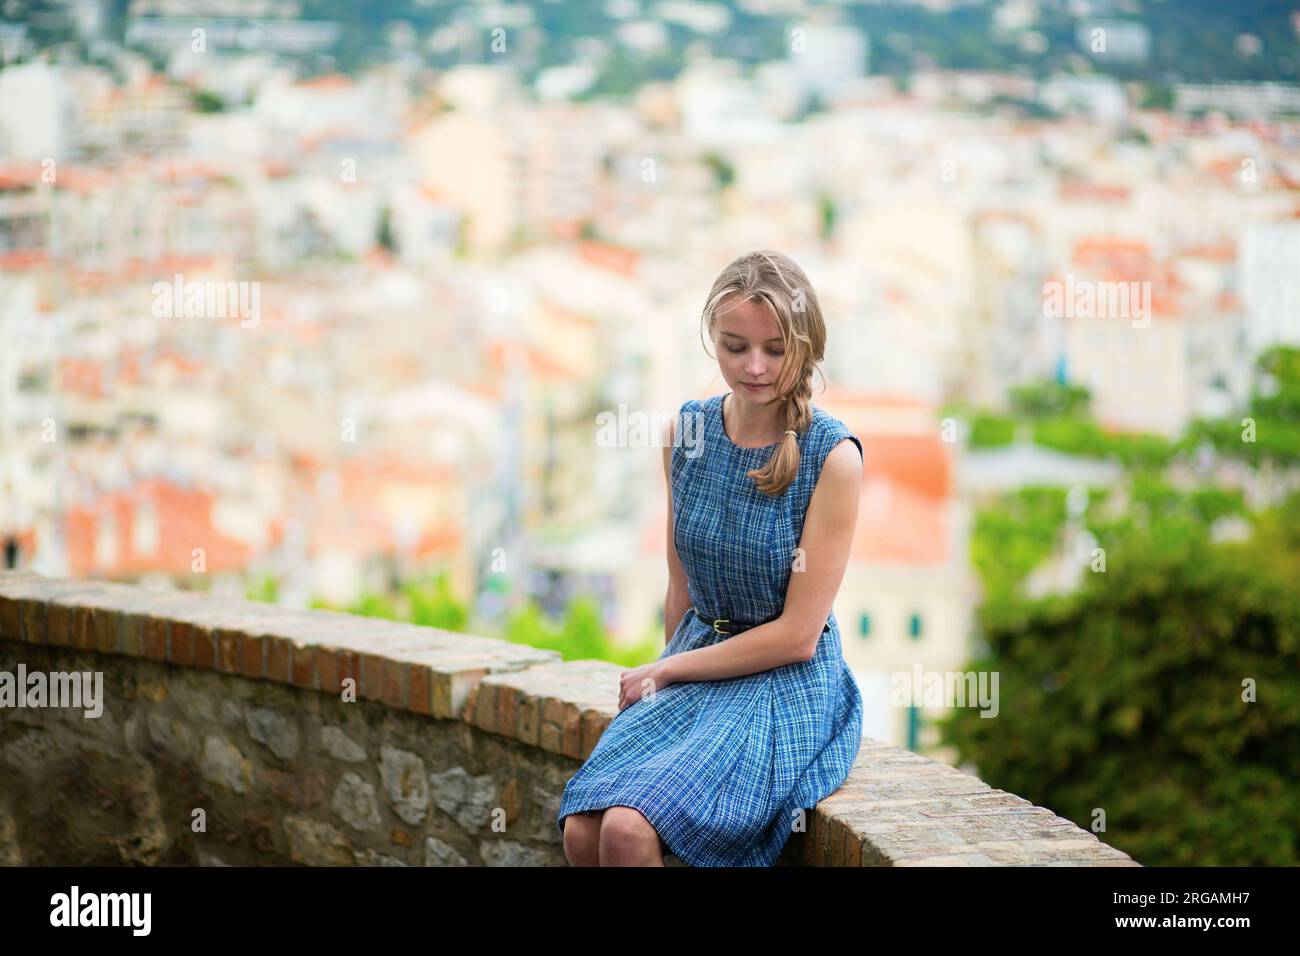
{"x": 736, "y": 335}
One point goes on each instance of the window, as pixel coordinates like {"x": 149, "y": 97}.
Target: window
{"x": 106, "y": 541}
{"x": 914, "y": 627}
{"x": 864, "y": 624}
{"x": 144, "y": 528}
{"x": 913, "y": 726}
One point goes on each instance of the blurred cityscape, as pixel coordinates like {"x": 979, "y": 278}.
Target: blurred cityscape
{"x": 303, "y": 301}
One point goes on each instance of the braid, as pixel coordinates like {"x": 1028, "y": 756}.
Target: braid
{"x": 796, "y": 411}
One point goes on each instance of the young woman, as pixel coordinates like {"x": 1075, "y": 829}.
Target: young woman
{"x": 723, "y": 745}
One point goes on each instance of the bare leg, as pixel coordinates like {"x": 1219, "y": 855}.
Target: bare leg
{"x": 582, "y": 838}
{"x": 628, "y": 839}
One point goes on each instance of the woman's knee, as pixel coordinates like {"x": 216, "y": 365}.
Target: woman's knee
{"x": 627, "y": 827}
{"x": 582, "y": 839}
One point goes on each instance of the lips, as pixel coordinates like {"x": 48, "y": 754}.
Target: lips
{"x": 753, "y": 385}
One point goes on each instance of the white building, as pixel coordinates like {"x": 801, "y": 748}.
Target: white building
{"x": 35, "y": 112}
{"x": 828, "y": 58}
{"x": 908, "y": 594}
{"x": 1270, "y": 282}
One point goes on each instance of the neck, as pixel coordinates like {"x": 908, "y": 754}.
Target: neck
{"x": 750, "y": 423}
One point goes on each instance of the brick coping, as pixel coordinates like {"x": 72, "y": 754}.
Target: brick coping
{"x": 897, "y": 808}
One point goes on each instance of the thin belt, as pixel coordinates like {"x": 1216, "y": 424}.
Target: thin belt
{"x": 731, "y": 627}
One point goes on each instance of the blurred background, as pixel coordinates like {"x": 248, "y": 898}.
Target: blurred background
{"x": 320, "y": 303}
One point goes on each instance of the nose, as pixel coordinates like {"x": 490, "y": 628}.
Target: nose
{"x": 755, "y": 366}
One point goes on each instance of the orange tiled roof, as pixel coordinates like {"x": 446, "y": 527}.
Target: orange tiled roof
{"x": 922, "y": 463}
{"x": 360, "y": 475}
{"x": 1130, "y": 260}
{"x": 1079, "y": 191}
{"x": 22, "y": 260}
{"x": 353, "y": 521}
{"x": 488, "y": 390}
{"x": 608, "y": 256}
{"x": 346, "y": 527}
{"x": 276, "y": 169}
{"x": 81, "y": 376}
{"x": 538, "y": 364}
{"x": 184, "y": 523}
{"x": 184, "y": 367}
{"x": 19, "y": 176}
{"x": 560, "y": 312}
{"x": 83, "y": 179}
{"x": 1225, "y": 251}
{"x": 1106, "y": 252}
{"x": 1227, "y": 302}
{"x": 899, "y": 525}
{"x": 330, "y": 81}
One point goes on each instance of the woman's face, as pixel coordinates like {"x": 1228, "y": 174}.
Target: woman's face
{"x": 750, "y": 352}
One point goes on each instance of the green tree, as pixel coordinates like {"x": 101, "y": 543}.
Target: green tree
{"x": 369, "y": 604}
{"x": 1044, "y": 399}
{"x": 991, "y": 431}
{"x": 826, "y": 214}
{"x": 1267, "y": 433}
{"x": 813, "y": 104}
{"x": 205, "y": 101}
{"x": 724, "y": 174}
{"x": 265, "y": 588}
{"x": 432, "y": 604}
{"x": 1130, "y": 695}
{"x": 1012, "y": 537}
{"x": 1082, "y": 436}
{"x": 580, "y": 636}
{"x": 385, "y": 237}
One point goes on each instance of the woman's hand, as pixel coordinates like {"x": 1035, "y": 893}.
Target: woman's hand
{"x": 642, "y": 681}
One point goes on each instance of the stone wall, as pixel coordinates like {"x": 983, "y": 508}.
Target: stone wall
{"x": 225, "y": 738}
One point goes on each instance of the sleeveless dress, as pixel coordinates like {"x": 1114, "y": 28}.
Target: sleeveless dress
{"x": 720, "y": 767}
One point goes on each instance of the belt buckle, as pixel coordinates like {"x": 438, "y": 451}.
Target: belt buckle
{"x": 721, "y": 620}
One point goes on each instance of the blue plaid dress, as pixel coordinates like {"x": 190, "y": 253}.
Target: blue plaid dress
{"x": 720, "y": 768}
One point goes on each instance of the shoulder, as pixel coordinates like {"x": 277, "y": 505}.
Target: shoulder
{"x": 837, "y": 469}
{"x": 672, "y": 425}
{"x": 843, "y": 466}
{"x": 834, "y": 440}
{"x": 692, "y": 405}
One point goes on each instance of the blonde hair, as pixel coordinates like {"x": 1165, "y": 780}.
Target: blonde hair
{"x": 773, "y": 279}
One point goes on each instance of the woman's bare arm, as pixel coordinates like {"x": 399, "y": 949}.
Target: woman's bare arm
{"x": 826, "y": 541}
